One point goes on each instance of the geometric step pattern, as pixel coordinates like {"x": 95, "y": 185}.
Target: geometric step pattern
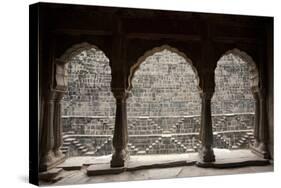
{"x": 234, "y": 140}
{"x": 157, "y": 135}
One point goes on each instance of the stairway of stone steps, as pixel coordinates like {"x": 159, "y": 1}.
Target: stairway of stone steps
{"x": 149, "y": 148}
{"x": 183, "y": 126}
{"x": 133, "y": 149}
{"x": 179, "y": 146}
{"x": 188, "y": 146}
{"x": 101, "y": 149}
{"x": 245, "y": 140}
{"x": 222, "y": 141}
{"x": 69, "y": 140}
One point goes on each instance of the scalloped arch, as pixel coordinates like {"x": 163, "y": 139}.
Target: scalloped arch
{"x": 76, "y": 49}
{"x": 61, "y": 64}
{"x": 151, "y": 52}
{"x": 254, "y": 73}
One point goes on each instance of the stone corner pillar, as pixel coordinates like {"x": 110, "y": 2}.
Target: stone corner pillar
{"x": 256, "y": 119}
{"x": 51, "y": 132}
{"x": 206, "y": 153}
{"x": 46, "y": 155}
{"x": 260, "y": 146}
{"x": 120, "y": 137}
{"x": 57, "y": 127}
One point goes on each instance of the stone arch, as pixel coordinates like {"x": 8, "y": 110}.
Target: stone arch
{"x": 76, "y": 49}
{"x": 61, "y": 64}
{"x": 235, "y": 110}
{"x": 164, "y": 100}
{"x": 149, "y": 53}
{"x": 89, "y": 106}
{"x": 254, "y": 73}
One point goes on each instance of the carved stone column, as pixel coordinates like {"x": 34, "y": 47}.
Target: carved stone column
{"x": 206, "y": 152}
{"x": 120, "y": 137}
{"x": 51, "y": 131}
{"x": 261, "y": 147}
{"x": 47, "y": 135}
{"x": 58, "y": 126}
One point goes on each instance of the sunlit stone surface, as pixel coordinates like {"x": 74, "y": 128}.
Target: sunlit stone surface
{"x": 163, "y": 107}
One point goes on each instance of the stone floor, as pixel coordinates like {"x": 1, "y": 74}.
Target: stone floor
{"x": 75, "y": 168}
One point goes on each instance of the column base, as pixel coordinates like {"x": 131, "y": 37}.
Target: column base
{"x": 119, "y": 158}
{"x": 206, "y": 155}
{"x": 49, "y": 175}
{"x": 50, "y": 161}
{"x": 260, "y": 150}
{"x": 58, "y": 153}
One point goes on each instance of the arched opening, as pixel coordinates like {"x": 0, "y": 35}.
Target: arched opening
{"x": 164, "y": 104}
{"x": 233, "y": 103}
{"x": 88, "y": 106}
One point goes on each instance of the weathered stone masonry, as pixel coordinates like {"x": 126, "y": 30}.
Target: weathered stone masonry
{"x": 163, "y": 107}
{"x": 127, "y": 37}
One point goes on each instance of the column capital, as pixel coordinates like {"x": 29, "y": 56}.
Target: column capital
{"x": 55, "y": 95}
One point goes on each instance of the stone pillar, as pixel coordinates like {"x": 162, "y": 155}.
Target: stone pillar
{"x": 206, "y": 152}
{"x": 261, "y": 132}
{"x": 47, "y": 135}
{"x": 51, "y": 131}
{"x": 58, "y": 126}
{"x": 256, "y": 119}
{"x": 120, "y": 137}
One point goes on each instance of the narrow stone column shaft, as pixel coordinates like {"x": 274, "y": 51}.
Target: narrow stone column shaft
{"x": 262, "y": 122}
{"x": 120, "y": 137}
{"x": 206, "y": 134}
{"x": 256, "y": 118}
{"x": 261, "y": 130}
{"x": 47, "y": 137}
{"x": 58, "y": 127}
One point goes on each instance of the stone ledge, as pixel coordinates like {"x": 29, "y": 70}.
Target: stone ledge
{"x": 229, "y": 164}
{"x": 102, "y": 169}
{"x": 224, "y": 159}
